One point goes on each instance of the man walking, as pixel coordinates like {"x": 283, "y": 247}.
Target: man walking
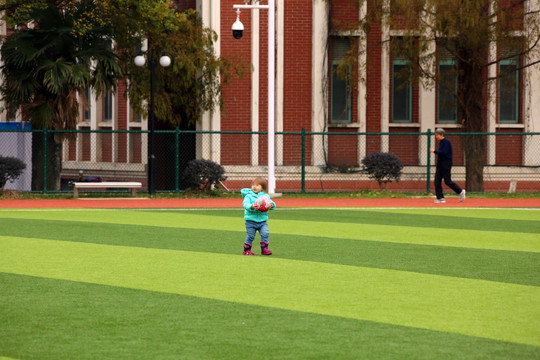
{"x": 444, "y": 168}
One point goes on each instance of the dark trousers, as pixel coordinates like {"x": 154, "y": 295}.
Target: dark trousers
{"x": 443, "y": 172}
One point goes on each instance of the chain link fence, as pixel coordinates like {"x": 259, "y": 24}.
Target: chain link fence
{"x": 304, "y": 161}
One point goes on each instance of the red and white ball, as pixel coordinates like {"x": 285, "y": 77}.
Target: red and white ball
{"x": 262, "y": 204}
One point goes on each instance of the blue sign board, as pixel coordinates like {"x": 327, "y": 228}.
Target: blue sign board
{"x": 15, "y": 125}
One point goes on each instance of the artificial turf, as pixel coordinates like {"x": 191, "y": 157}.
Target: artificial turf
{"x": 354, "y": 283}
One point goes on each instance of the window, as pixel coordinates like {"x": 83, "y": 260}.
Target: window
{"x": 341, "y": 92}
{"x": 137, "y": 118}
{"x": 108, "y": 106}
{"x": 87, "y": 107}
{"x": 446, "y": 92}
{"x": 509, "y": 91}
{"x": 401, "y": 92}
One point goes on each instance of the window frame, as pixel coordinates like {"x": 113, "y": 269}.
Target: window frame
{"x": 409, "y": 88}
{"x": 451, "y": 62}
{"x": 340, "y": 47}
{"x": 507, "y": 62}
{"x": 346, "y": 83}
{"x": 87, "y": 111}
{"x": 108, "y": 106}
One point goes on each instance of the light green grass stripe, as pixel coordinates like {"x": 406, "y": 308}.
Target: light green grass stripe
{"x": 474, "y": 239}
{"x": 500, "y": 311}
{"x": 485, "y": 213}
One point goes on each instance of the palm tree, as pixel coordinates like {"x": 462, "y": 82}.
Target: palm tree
{"x": 47, "y": 65}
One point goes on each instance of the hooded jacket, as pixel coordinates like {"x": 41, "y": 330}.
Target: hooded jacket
{"x": 249, "y": 198}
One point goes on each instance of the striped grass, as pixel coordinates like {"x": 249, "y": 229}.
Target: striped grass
{"x": 342, "y": 284}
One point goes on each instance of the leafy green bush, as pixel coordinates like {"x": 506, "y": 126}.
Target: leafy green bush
{"x": 383, "y": 167}
{"x": 203, "y": 174}
{"x": 10, "y": 169}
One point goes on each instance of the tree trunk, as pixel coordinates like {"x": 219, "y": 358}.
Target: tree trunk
{"x": 471, "y": 99}
{"x": 475, "y": 148}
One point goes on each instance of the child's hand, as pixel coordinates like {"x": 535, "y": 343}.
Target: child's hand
{"x": 262, "y": 204}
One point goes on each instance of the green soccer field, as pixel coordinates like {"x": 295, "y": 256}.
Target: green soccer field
{"x": 342, "y": 284}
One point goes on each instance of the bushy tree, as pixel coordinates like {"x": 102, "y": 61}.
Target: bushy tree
{"x": 192, "y": 83}
{"x": 203, "y": 174}
{"x": 383, "y": 167}
{"x": 10, "y": 170}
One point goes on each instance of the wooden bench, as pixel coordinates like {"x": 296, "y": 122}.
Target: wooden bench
{"x": 106, "y": 185}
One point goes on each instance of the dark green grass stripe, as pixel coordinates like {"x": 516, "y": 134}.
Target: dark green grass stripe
{"x": 503, "y": 266}
{"x": 53, "y": 319}
{"x": 387, "y": 217}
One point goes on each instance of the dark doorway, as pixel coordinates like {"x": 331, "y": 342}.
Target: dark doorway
{"x": 166, "y": 156}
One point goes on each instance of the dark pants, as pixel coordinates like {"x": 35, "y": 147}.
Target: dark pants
{"x": 442, "y": 172}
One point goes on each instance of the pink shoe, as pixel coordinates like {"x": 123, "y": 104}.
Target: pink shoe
{"x": 264, "y": 249}
{"x": 247, "y": 250}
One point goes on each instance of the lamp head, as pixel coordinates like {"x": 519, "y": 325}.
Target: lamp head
{"x": 140, "y": 60}
{"x": 164, "y": 61}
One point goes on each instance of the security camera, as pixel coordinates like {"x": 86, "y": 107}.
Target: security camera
{"x": 238, "y": 29}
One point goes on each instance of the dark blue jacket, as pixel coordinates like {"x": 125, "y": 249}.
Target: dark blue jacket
{"x": 445, "y": 151}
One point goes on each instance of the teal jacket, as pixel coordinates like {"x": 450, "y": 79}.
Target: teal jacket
{"x": 249, "y": 198}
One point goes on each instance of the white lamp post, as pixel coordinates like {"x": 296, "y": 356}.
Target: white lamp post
{"x": 164, "y": 61}
{"x": 237, "y": 33}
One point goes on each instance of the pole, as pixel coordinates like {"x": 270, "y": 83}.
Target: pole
{"x": 271, "y": 94}
{"x": 428, "y": 174}
{"x": 271, "y": 86}
{"x": 151, "y": 156}
{"x": 177, "y": 160}
{"x": 303, "y": 151}
{"x": 45, "y": 156}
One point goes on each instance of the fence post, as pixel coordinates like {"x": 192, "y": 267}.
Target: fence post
{"x": 45, "y": 146}
{"x": 428, "y": 162}
{"x": 177, "y": 160}
{"x": 303, "y": 141}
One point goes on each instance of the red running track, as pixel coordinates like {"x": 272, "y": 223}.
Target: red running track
{"x": 232, "y": 203}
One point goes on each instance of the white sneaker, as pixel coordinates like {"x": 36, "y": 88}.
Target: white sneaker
{"x": 440, "y": 201}
{"x": 462, "y": 195}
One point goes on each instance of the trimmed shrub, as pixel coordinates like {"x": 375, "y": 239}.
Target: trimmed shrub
{"x": 10, "y": 169}
{"x": 383, "y": 167}
{"x": 203, "y": 174}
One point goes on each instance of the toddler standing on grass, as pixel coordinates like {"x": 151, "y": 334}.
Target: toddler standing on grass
{"x": 255, "y": 219}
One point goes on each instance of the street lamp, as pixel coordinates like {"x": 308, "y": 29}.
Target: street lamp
{"x": 164, "y": 61}
{"x": 238, "y": 29}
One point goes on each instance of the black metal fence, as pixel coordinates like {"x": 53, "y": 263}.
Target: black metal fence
{"x": 304, "y": 161}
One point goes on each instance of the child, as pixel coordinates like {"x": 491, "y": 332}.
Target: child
{"x": 256, "y": 220}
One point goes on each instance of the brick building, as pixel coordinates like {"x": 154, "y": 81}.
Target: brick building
{"x": 310, "y": 96}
